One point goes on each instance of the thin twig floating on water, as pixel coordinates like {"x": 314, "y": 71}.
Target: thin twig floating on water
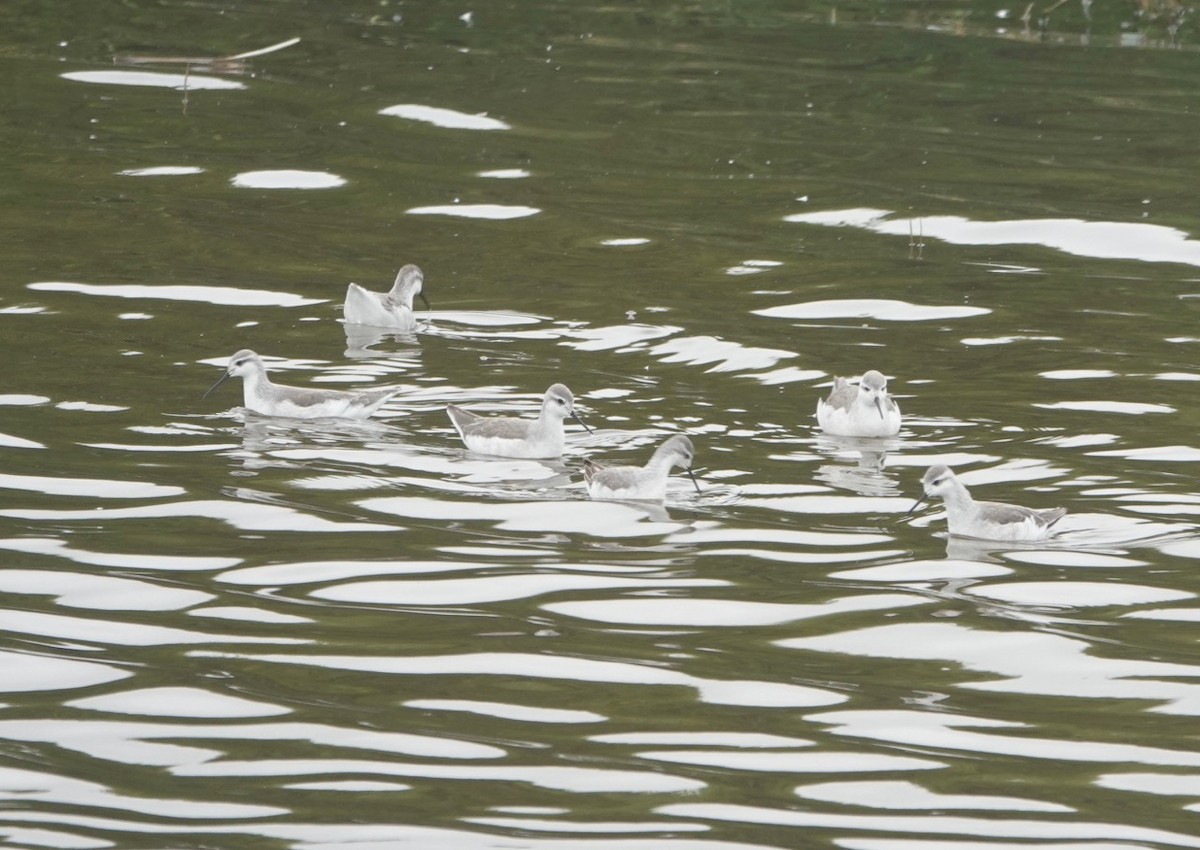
{"x": 916, "y": 247}
{"x": 230, "y": 64}
{"x": 262, "y": 51}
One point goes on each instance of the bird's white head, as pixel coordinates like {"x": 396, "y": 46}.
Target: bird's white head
{"x": 938, "y": 481}
{"x": 872, "y": 390}
{"x": 559, "y": 403}
{"x": 680, "y": 450}
{"x": 410, "y": 280}
{"x": 244, "y": 363}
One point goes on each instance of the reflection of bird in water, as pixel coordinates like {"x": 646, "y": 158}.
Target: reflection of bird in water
{"x": 863, "y": 411}
{"x": 647, "y": 482}
{"x": 866, "y": 477}
{"x": 985, "y": 520}
{"x": 266, "y": 441}
{"x": 972, "y": 549}
{"x": 392, "y": 309}
{"x": 360, "y": 338}
{"x": 260, "y": 395}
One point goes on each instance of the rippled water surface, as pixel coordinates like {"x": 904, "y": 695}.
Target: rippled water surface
{"x": 225, "y": 630}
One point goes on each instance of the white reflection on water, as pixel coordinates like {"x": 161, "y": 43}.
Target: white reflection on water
{"x": 597, "y": 827}
{"x": 792, "y": 762}
{"x": 11, "y": 442}
{"x": 243, "y": 613}
{"x": 830, "y": 503}
{"x": 349, "y": 786}
{"x": 99, "y": 592}
{"x": 787, "y": 375}
{"x": 504, "y": 173}
{"x": 90, "y": 488}
{"x": 1077, "y": 374}
{"x": 883, "y": 310}
{"x": 48, "y": 788}
{"x": 984, "y": 828}
{"x": 115, "y": 632}
{"x": 1128, "y": 407}
{"x": 901, "y": 794}
{"x": 225, "y": 295}
{"x": 945, "y": 731}
{"x": 126, "y": 560}
{"x": 387, "y": 836}
{"x": 608, "y": 519}
{"x": 619, "y": 338}
{"x": 1076, "y": 594}
{"x": 90, "y": 406}
{"x": 1152, "y": 243}
{"x": 23, "y": 399}
{"x": 1167, "y": 454}
{"x": 161, "y": 171}
{"x": 508, "y": 711}
{"x": 1028, "y": 662}
{"x": 133, "y": 742}
{"x": 493, "y": 212}
{"x": 1171, "y": 784}
{"x": 578, "y": 780}
{"x": 33, "y": 672}
{"x": 725, "y": 356}
{"x": 623, "y": 242}
{"x": 244, "y": 515}
{"x": 721, "y": 612}
{"x": 191, "y": 82}
{"x": 557, "y": 667}
{"x": 473, "y": 591}
{"x": 178, "y": 702}
{"x": 948, "y": 569}
{"x": 745, "y": 740}
{"x": 442, "y": 117}
{"x": 286, "y": 178}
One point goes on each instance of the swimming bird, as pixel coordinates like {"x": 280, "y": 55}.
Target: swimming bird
{"x": 508, "y": 436}
{"x": 985, "y": 520}
{"x": 262, "y": 396}
{"x": 647, "y": 482}
{"x": 387, "y": 309}
{"x": 863, "y": 411}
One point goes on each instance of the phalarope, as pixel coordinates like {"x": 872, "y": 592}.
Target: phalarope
{"x": 863, "y": 411}
{"x": 985, "y": 520}
{"x": 387, "y": 309}
{"x": 508, "y": 436}
{"x": 647, "y": 482}
{"x": 262, "y": 396}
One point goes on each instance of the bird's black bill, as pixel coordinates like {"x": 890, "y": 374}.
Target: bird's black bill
{"x": 916, "y": 505}
{"x": 581, "y": 422}
{"x": 879, "y": 407}
{"x": 692, "y": 476}
{"x": 424, "y": 300}
{"x": 220, "y": 381}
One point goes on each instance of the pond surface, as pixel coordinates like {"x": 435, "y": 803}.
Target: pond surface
{"x": 224, "y": 630}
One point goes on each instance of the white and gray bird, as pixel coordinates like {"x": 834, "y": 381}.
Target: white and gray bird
{"x": 393, "y": 309}
{"x": 865, "y": 410}
{"x": 260, "y": 395}
{"x": 985, "y": 520}
{"x": 508, "y": 436}
{"x": 647, "y": 482}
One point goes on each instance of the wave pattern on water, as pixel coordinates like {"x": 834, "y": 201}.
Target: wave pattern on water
{"x": 224, "y": 629}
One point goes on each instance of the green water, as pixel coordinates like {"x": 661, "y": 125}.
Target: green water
{"x": 225, "y": 631}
